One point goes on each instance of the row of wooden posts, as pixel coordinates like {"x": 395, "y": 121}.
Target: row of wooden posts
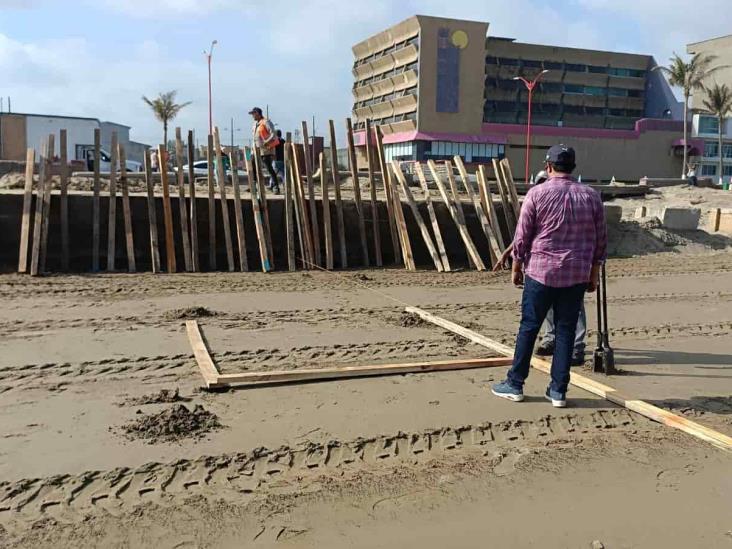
{"x": 301, "y": 215}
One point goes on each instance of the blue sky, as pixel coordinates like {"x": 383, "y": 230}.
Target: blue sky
{"x": 97, "y": 58}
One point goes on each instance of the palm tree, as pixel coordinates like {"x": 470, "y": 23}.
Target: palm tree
{"x": 719, "y": 103}
{"x": 165, "y": 109}
{"x": 689, "y": 76}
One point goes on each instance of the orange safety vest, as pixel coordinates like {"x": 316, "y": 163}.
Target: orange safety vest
{"x": 264, "y": 134}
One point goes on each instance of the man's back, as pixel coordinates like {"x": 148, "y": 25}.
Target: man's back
{"x": 561, "y": 232}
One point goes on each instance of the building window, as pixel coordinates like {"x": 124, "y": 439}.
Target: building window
{"x": 594, "y": 90}
{"x": 531, "y": 64}
{"x": 727, "y": 170}
{"x": 709, "y": 169}
{"x": 597, "y": 70}
{"x": 711, "y": 149}
{"x": 708, "y": 124}
{"x": 508, "y": 61}
{"x": 574, "y": 67}
{"x": 617, "y": 92}
{"x": 727, "y": 150}
{"x": 491, "y": 60}
{"x": 470, "y": 152}
{"x": 399, "y": 151}
{"x": 553, "y": 65}
{"x": 574, "y": 88}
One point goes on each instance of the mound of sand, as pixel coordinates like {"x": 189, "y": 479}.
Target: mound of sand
{"x": 649, "y": 236}
{"x": 164, "y": 396}
{"x": 175, "y": 423}
{"x": 189, "y": 313}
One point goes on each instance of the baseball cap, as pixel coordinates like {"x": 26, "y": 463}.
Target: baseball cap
{"x": 256, "y": 109}
{"x": 561, "y": 155}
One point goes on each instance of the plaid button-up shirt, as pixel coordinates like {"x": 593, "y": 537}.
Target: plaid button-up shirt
{"x": 561, "y": 232}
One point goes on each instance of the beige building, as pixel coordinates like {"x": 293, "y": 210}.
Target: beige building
{"x": 440, "y": 87}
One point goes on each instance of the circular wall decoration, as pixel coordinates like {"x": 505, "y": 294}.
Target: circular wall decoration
{"x": 459, "y": 39}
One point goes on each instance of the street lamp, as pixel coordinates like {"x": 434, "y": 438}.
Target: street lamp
{"x": 232, "y": 129}
{"x": 208, "y": 55}
{"x": 529, "y": 86}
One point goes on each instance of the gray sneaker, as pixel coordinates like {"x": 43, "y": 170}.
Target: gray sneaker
{"x": 505, "y": 390}
{"x": 558, "y": 400}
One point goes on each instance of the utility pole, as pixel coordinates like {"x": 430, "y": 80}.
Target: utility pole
{"x": 208, "y": 55}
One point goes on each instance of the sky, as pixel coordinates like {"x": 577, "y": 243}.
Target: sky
{"x": 98, "y": 58}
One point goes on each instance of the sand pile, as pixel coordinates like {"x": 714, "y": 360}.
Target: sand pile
{"x": 175, "y": 423}
{"x": 164, "y": 396}
{"x": 189, "y": 313}
{"x": 409, "y": 320}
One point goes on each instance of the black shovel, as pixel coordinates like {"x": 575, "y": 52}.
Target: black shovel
{"x": 604, "y": 357}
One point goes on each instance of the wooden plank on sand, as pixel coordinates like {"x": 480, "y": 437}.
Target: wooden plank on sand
{"x": 221, "y": 178}
{"x": 192, "y": 193}
{"x": 43, "y": 167}
{"x": 96, "y": 216}
{"x": 433, "y": 216}
{"x": 211, "y": 204}
{"x": 289, "y": 206}
{"x": 241, "y": 238}
{"x": 45, "y": 219}
{"x": 487, "y": 198}
{"x": 30, "y": 160}
{"x": 183, "y": 211}
{"x": 112, "y": 210}
{"x": 327, "y": 229}
{"x": 152, "y": 214}
{"x": 301, "y": 211}
{"x": 335, "y": 172}
{"x": 200, "y": 352}
{"x": 315, "y": 230}
{"x": 389, "y": 189}
{"x": 126, "y": 212}
{"x": 258, "y": 221}
{"x": 372, "y": 191}
{"x": 357, "y": 192}
{"x": 64, "y": 202}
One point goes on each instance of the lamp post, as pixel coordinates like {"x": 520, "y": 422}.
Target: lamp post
{"x": 208, "y": 55}
{"x": 529, "y": 86}
{"x": 232, "y": 129}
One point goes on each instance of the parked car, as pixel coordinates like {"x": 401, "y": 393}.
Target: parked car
{"x": 105, "y": 160}
{"x": 200, "y": 167}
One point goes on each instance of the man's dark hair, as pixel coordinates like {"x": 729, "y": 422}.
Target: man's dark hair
{"x": 279, "y": 133}
{"x": 562, "y": 168}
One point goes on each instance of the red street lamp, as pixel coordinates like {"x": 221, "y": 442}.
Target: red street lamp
{"x": 208, "y": 55}
{"x": 529, "y": 86}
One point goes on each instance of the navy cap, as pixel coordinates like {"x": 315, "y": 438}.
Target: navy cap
{"x": 560, "y": 154}
{"x": 256, "y": 109}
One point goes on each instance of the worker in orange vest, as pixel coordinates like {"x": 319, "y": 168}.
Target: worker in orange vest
{"x": 265, "y": 139}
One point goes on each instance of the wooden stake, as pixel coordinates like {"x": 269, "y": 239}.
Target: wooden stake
{"x": 152, "y": 214}
{"x": 462, "y": 229}
{"x": 183, "y": 211}
{"x": 493, "y": 247}
{"x": 289, "y": 217}
{"x": 302, "y": 212}
{"x": 167, "y": 211}
{"x": 211, "y": 205}
{"x": 417, "y": 216}
{"x": 511, "y": 184}
{"x": 64, "y": 200}
{"x": 374, "y": 203}
{"x": 264, "y": 205}
{"x": 327, "y": 229}
{"x": 45, "y": 219}
{"x": 339, "y": 205}
{"x": 487, "y": 198}
{"x": 241, "y": 238}
{"x": 507, "y": 210}
{"x": 650, "y": 411}
{"x": 258, "y": 221}
{"x": 43, "y": 167}
{"x": 405, "y": 242}
{"x": 311, "y": 194}
{"x": 112, "y": 219}
{"x": 388, "y": 193}
{"x": 192, "y": 194}
{"x": 30, "y": 160}
{"x": 126, "y": 212}
{"x": 95, "y": 200}
{"x": 221, "y": 178}
{"x": 433, "y": 216}
{"x": 357, "y": 193}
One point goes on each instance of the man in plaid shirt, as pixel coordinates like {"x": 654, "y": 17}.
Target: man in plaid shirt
{"x": 559, "y": 246}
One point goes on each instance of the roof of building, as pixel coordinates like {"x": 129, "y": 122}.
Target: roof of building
{"x": 51, "y": 116}
{"x": 715, "y": 39}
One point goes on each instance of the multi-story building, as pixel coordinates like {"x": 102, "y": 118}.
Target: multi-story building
{"x": 705, "y": 126}
{"x": 440, "y": 87}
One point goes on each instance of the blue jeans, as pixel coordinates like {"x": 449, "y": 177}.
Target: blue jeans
{"x": 535, "y": 304}
{"x": 579, "y": 336}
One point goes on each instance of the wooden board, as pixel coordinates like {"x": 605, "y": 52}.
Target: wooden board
{"x": 388, "y": 193}
{"x": 322, "y": 374}
{"x": 487, "y": 198}
{"x": 192, "y": 193}
{"x": 64, "y": 199}
{"x": 167, "y": 214}
{"x": 289, "y": 207}
{"x": 327, "y": 229}
{"x": 433, "y": 216}
{"x": 374, "y": 204}
{"x": 404, "y": 240}
{"x": 112, "y": 210}
{"x": 650, "y": 411}
{"x": 417, "y": 216}
{"x": 494, "y": 248}
{"x": 258, "y": 221}
{"x": 301, "y": 211}
{"x": 462, "y": 229}
{"x": 95, "y": 201}
{"x": 30, "y": 160}
{"x": 152, "y": 214}
{"x": 507, "y": 209}
{"x": 183, "y": 211}
{"x": 211, "y": 204}
{"x": 126, "y": 212}
{"x": 314, "y": 229}
{"x": 357, "y": 192}
{"x": 241, "y": 238}
{"x": 43, "y": 168}
{"x": 200, "y": 352}
{"x": 45, "y": 219}
{"x": 221, "y": 179}
{"x": 264, "y": 206}
{"x": 511, "y": 184}
{"x": 335, "y": 172}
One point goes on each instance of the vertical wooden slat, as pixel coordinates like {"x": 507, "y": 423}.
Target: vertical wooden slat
{"x": 302, "y": 212}
{"x": 96, "y": 216}
{"x": 38, "y": 216}
{"x": 289, "y": 216}
{"x": 167, "y": 212}
{"x": 327, "y": 229}
{"x": 258, "y": 222}
{"x": 389, "y": 188}
{"x": 30, "y": 160}
{"x": 433, "y": 216}
{"x": 112, "y": 211}
{"x": 335, "y": 172}
{"x": 357, "y": 192}
{"x": 211, "y": 205}
{"x": 511, "y": 184}
{"x": 182, "y": 200}
{"x": 152, "y": 216}
{"x": 45, "y": 219}
{"x": 192, "y": 193}
{"x": 403, "y": 233}
{"x": 241, "y": 238}
{"x": 221, "y": 178}
{"x": 374, "y": 203}
{"x": 315, "y": 229}
{"x": 64, "y": 199}
{"x": 126, "y": 212}
{"x": 507, "y": 210}
{"x": 264, "y": 206}
{"x": 487, "y": 199}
